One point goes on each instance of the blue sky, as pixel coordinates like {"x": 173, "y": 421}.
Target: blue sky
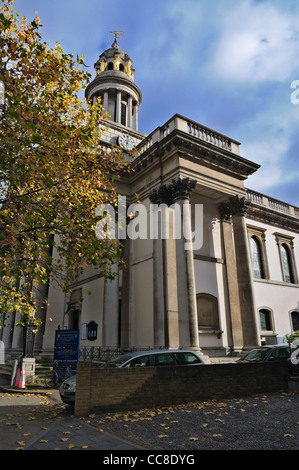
{"x": 227, "y": 64}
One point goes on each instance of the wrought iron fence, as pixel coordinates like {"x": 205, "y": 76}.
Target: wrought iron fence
{"x": 104, "y": 353}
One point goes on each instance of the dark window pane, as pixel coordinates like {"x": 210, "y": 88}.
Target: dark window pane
{"x": 265, "y": 320}
{"x": 286, "y": 265}
{"x": 256, "y": 258}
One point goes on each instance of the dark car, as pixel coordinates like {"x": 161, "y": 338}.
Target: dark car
{"x": 153, "y": 358}
{"x": 276, "y": 352}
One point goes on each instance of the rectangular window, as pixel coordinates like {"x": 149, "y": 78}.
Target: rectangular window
{"x": 123, "y": 118}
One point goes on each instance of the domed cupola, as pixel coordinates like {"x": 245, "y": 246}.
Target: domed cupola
{"x": 114, "y": 83}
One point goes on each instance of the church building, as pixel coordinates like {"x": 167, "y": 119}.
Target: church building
{"x": 236, "y": 284}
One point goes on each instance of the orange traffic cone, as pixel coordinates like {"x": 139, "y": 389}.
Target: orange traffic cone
{"x": 22, "y": 380}
{"x": 17, "y": 382}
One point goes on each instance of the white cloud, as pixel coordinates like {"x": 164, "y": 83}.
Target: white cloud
{"x": 269, "y": 156}
{"x": 258, "y": 43}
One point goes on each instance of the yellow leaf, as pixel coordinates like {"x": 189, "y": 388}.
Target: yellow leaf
{"x": 162, "y": 435}
{"x": 43, "y": 441}
{"x": 71, "y": 446}
{"x": 20, "y": 443}
{"x": 193, "y": 438}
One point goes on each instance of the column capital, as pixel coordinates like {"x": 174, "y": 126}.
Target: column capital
{"x": 182, "y": 188}
{"x": 177, "y": 189}
{"x": 235, "y": 205}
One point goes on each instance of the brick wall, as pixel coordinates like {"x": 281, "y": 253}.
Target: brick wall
{"x": 106, "y": 390}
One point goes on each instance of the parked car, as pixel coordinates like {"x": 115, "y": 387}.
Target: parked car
{"x": 267, "y": 353}
{"x": 150, "y": 358}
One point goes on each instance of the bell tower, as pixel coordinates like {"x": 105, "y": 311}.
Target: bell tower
{"x": 120, "y": 96}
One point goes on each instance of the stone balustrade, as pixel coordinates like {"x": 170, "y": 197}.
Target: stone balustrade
{"x": 272, "y": 203}
{"x": 178, "y": 122}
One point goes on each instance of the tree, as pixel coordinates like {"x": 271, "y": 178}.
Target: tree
{"x": 53, "y": 170}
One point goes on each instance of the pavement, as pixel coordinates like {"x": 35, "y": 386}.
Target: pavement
{"x": 37, "y": 420}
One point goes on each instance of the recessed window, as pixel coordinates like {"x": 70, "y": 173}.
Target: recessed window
{"x": 295, "y": 320}
{"x": 287, "y": 259}
{"x": 92, "y": 331}
{"x": 257, "y": 258}
{"x": 258, "y": 251}
{"x": 123, "y": 117}
{"x": 265, "y": 319}
{"x": 207, "y": 311}
{"x": 286, "y": 263}
{"x": 110, "y": 66}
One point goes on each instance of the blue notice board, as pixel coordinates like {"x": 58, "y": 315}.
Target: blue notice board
{"x": 66, "y": 350}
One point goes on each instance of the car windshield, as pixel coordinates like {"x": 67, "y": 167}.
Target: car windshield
{"x": 117, "y": 362}
{"x": 255, "y": 355}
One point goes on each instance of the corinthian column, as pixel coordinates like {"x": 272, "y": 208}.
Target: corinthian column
{"x": 181, "y": 192}
{"x": 236, "y": 209}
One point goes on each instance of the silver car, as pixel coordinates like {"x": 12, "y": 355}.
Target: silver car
{"x": 151, "y": 358}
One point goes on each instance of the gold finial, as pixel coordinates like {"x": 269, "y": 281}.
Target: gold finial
{"x": 115, "y": 34}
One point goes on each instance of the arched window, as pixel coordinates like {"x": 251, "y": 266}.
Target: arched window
{"x": 110, "y": 66}
{"x": 121, "y": 67}
{"x": 256, "y": 258}
{"x": 295, "y": 320}
{"x": 265, "y": 319}
{"x": 286, "y": 263}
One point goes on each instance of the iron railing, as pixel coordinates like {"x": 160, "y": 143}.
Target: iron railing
{"x": 104, "y": 353}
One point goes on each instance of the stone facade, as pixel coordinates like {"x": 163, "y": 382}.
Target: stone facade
{"x": 228, "y": 294}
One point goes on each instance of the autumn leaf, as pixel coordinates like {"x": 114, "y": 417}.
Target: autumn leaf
{"x": 162, "y": 436}
{"x": 71, "y": 446}
{"x": 20, "y": 443}
{"x": 54, "y": 172}
{"x": 193, "y": 438}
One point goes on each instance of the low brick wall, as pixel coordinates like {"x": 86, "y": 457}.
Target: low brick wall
{"x": 109, "y": 390}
